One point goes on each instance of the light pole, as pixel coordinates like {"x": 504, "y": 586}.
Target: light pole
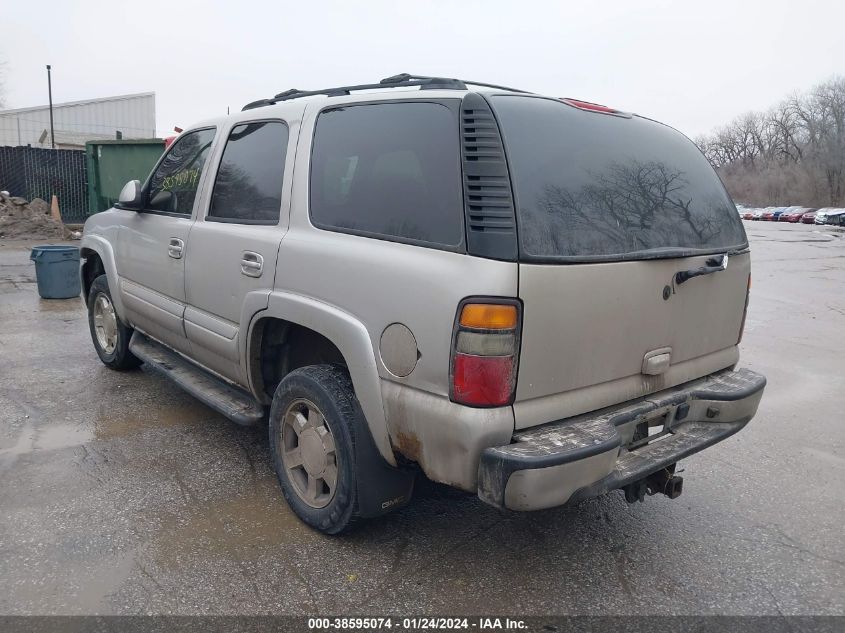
{"x": 50, "y": 93}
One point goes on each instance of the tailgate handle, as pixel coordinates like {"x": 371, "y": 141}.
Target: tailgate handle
{"x": 714, "y": 265}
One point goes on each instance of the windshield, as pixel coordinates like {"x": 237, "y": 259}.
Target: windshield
{"x": 593, "y": 186}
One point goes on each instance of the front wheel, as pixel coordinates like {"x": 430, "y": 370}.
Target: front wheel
{"x": 110, "y": 336}
{"x": 312, "y": 439}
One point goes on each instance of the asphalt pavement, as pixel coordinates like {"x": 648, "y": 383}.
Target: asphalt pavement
{"x": 120, "y": 494}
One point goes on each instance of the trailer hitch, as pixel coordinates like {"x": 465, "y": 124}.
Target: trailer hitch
{"x": 664, "y": 481}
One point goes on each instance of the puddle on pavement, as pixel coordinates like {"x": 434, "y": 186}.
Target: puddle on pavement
{"x": 110, "y": 424}
{"x": 57, "y": 436}
{"x": 808, "y": 241}
{"x": 22, "y": 298}
{"x": 60, "y": 305}
{"x": 52, "y": 436}
{"x": 236, "y": 528}
{"x": 103, "y": 582}
{"x": 48, "y": 438}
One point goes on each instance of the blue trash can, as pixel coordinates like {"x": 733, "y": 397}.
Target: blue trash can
{"x": 57, "y": 271}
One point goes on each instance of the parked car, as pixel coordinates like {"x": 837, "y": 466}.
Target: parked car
{"x": 836, "y": 218}
{"x": 758, "y": 214}
{"x": 748, "y": 214}
{"x": 809, "y": 217}
{"x": 351, "y": 269}
{"x": 772, "y": 213}
{"x": 784, "y": 210}
{"x": 821, "y": 214}
{"x": 777, "y": 214}
{"x": 795, "y": 216}
{"x": 785, "y": 213}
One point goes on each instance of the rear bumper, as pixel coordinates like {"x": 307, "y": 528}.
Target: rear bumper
{"x": 585, "y": 456}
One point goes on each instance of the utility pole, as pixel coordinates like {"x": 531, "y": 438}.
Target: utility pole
{"x": 50, "y": 93}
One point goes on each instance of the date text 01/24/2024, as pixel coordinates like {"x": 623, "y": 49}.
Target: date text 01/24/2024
{"x": 414, "y": 624}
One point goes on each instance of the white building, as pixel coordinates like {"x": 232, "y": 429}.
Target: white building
{"x": 74, "y": 122}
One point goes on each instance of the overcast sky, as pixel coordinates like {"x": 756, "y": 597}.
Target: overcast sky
{"x": 690, "y": 63}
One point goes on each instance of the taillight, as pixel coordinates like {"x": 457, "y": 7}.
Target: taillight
{"x": 586, "y": 105}
{"x": 485, "y": 352}
{"x": 744, "y": 310}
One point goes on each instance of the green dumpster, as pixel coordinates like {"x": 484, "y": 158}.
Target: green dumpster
{"x": 111, "y": 164}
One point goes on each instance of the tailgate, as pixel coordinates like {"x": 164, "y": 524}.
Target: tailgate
{"x": 609, "y": 208}
{"x": 587, "y": 329}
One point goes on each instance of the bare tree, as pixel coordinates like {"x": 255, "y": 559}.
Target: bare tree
{"x": 793, "y": 153}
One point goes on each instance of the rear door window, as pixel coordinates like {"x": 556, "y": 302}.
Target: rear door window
{"x": 389, "y": 170}
{"x": 248, "y": 186}
{"x": 173, "y": 184}
{"x": 592, "y": 186}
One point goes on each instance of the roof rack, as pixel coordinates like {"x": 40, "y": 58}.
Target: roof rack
{"x": 396, "y": 81}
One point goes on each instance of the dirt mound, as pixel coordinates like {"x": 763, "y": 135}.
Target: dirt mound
{"x": 22, "y": 219}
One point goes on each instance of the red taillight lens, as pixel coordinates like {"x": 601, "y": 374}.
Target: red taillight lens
{"x": 482, "y": 381}
{"x": 485, "y": 353}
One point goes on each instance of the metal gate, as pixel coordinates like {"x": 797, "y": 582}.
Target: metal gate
{"x": 34, "y": 172}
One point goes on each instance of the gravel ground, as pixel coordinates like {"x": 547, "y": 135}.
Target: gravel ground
{"x": 121, "y": 494}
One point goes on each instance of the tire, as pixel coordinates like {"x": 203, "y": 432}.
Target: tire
{"x": 327, "y": 391}
{"x": 116, "y": 354}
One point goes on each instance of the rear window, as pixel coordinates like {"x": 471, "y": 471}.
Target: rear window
{"x": 389, "y": 170}
{"x": 593, "y": 186}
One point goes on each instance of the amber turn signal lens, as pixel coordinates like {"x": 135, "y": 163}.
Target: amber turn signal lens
{"x": 489, "y": 316}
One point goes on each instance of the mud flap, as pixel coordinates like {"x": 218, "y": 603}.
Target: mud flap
{"x": 382, "y": 488}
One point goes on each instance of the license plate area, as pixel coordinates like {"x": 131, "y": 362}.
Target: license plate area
{"x": 657, "y": 426}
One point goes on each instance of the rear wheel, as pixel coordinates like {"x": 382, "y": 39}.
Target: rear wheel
{"x": 110, "y": 336}
{"x": 312, "y": 439}
{"x": 309, "y": 453}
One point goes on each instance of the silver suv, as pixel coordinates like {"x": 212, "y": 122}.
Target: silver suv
{"x": 534, "y": 299}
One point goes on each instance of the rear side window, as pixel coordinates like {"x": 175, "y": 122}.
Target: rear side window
{"x": 248, "y": 187}
{"x": 173, "y": 184}
{"x": 389, "y": 170}
{"x": 593, "y": 186}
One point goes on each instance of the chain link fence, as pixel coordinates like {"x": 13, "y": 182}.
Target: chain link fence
{"x": 34, "y": 172}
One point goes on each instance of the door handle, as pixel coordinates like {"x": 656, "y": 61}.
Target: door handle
{"x": 175, "y": 247}
{"x": 713, "y": 265}
{"x": 252, "y": 264}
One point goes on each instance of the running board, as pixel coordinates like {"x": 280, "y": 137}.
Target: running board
{"x": 237, "y": 405}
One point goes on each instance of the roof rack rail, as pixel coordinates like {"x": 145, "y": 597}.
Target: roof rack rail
{"x": 406, "y": 77}
{"x": 396, "y": 81}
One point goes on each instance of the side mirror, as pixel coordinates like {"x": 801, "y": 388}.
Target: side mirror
{"x": 130, "y": 196}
